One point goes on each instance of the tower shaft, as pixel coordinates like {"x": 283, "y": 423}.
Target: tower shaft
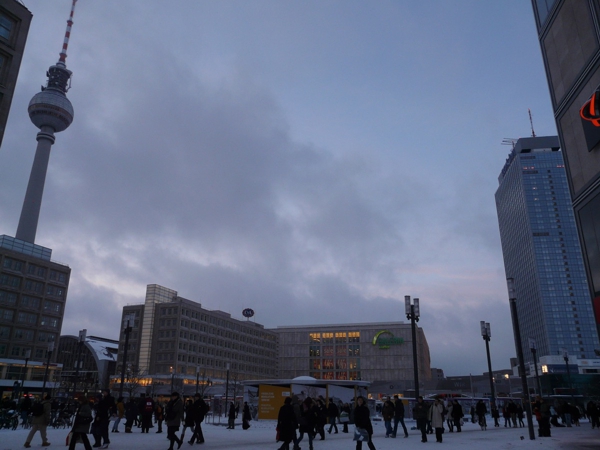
{"x": 30, "y": 212}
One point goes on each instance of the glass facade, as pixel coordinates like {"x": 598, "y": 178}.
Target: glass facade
{"x": 541, "y": 250}
{"x": 334, "y": 356}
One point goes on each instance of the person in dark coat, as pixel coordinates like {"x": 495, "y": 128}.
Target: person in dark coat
{"x": 131, "y": 411}
{"x": 362, "y": 420}
{"x": 102, "y": 419}
{"x": 321, "y": 411}
{"x": 399, "y": 416}
{"x": 420, "y": 414}
{"x": 246, "y": 416}
{"x": 231, "y": 417}
{"x": 40, "y": 422}
{"x": 307, "y": 422}
{"x": 457, "y": 415}
{"x": 174, "y": 416}
{"x": 146, "y": 411}
{"x": 189, "y": 421}
{"x": 159, "y": 415}
{"x": 332, "y": 412}
{"x": 200, "y": 409}
{"x": 286, "y": 424}
{"x": 481, "y": 411}
{"x": 387, "y": 411}
{"x": 81, "y": 425}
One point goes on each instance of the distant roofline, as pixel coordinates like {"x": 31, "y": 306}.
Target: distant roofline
{"x": 374, "y": 324}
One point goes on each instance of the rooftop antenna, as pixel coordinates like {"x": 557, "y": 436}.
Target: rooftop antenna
{"x": 63, "y": 52}
{"x": 531, "y": 122}
{"x": 509, "y": 141}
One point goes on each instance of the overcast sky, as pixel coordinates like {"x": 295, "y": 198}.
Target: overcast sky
{"x": 313, "y": 160}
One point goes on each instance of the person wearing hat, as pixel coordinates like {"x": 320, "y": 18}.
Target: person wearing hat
{"x": 173, "y": 418}
{"x": 200, "y": 408}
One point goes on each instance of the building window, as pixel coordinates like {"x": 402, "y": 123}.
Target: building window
{"x": 28, "y": 318}
{"x": 58, "y": 276}
{"x": 23, "y": 335}
{"x": 36, "y": 271}
{"x": 6, "y": 27}
{"x": 8, "y": 298}
{"x": 13, "y": 264}
{"x": 30, "y": 302}
{"x": 52, "y": 307}
{"x": 10, "y": 281}
{"x": 7, "y": 315}
{"x": 4, "y": 332}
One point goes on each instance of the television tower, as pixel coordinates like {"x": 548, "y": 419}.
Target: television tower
{"x": 51, "y": 111}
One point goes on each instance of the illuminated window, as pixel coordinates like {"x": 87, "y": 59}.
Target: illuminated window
{"x": 354, "y": 336}
{"x": 315, "y": 350}
{"x": 327, "y": 350}
{"x": 341, "y": 350}
{"x": 328, "y": 364}
{"x": 315, "y": 338}
{"x": 340, "y": 338}
{"x": 341, "y": 375}
{"x": 328, "y": 375}
{"x": 354, "y": 350}
{"x": 341, "y": 364}
{"x": 327, "y": 338}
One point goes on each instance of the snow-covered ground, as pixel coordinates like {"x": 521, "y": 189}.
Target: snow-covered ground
{"x": 261, "y": 436}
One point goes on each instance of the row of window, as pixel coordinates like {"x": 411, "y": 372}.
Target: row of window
{"x": 49, "y": 306}
{"x": 337, "y": 375}
{"x": 34, "y": 270}
{"x": 8, "y": 315}
{"x": 32, "y": 286}
{"x": 337, "y": 338}
{"x": 330, "y": 350}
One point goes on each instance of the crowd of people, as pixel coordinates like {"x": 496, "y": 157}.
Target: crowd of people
{"x": 297, "y": 420}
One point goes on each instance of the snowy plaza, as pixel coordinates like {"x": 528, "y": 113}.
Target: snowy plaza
{"x": 261, "y": 436}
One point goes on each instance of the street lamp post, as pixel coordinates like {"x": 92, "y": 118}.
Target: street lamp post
{"x": 49, "y": 355}
{"x": 197, "y": 377}
{"x": 172, "y": 377}
{"x": 507, "y": 376}
{"x": 227, "y": 391}
{"x": 412, "y": 313}
{"x": 565, "y": 355}
{"x": 82, "y": 336}
{"x": 27, "y": 356}
{"x": 533, "y": 349}
{"x": 126, "y": 331}
{"x": 486, "y": 333}
{"x": 512, "y": 297}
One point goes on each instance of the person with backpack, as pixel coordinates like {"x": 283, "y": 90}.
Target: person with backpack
{"x": 42, "y": 414}
{"x": 102, "y": 419}
{"x": 81, "y": 425}
{"x": 200, "y": 409}
{"x": 146, "y": 411}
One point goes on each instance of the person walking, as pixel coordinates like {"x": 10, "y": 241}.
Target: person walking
{"x": 481, "y": 411}
{"x": 457, "y": 415}
{"x": 146, "y": 411}
{"x": 307, "y": 422}
{"x": 174, "y": 416}
{"x": 102, "y": 419}
{"x": 387, "y": 412}
{"x": 421, "y": 413}
{"x": 399, "y": 416}
{"x": 362, "y": 420}
{"x": 436, "y": 416}
{"x": 189, "y": 421}
{"x": 345, "y": 417}
{"x": 495, "y": 414}
{"x": 120, "y": 414}
{"x": 41, "y": 416}
{"x": 231, "y": 417}
{"x": 332, "y": 412}
{"x": 321, "y": 410}
{"x": 449, "y": 418}
{"x": 159, "y": 415}
{"x": 246, "y": 416}
{"x": 286, "y": 424}
{"x": 131, "y": 410}
{"x": 200, "y": 409}
{"x": 81, "y": 425}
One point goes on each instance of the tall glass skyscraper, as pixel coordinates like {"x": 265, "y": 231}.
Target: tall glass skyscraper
{"x": 541, "y": 250}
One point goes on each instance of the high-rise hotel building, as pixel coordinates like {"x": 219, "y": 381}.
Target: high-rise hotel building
{"x": 171, "y": 334}
{"x": 541, "y": 250}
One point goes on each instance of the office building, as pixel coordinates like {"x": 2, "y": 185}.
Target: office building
{"x": 362, "y": 351}
{"x": 173, "y": 335}
{"x": 14, "y": 27}
{"x": 541, "y": 251}
{"x": 569, "y": 38}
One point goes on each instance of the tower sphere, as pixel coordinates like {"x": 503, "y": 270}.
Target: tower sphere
{"x": 51, "y": 108}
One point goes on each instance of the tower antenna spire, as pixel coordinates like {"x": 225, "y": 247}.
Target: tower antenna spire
{"x": 530, "y": 120}
{"x": 63, "y": 52}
